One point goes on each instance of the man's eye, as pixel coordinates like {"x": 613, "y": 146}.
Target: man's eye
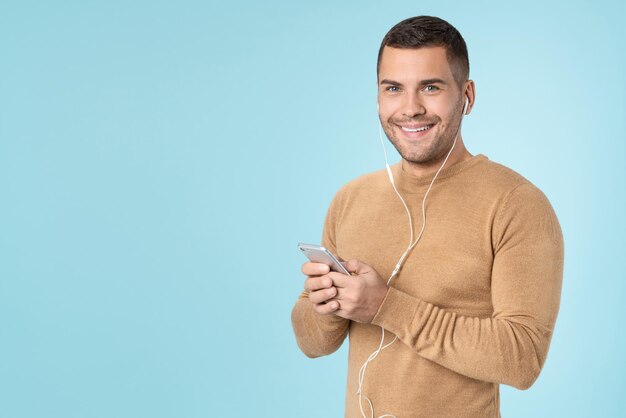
{"x": 434, "y": 88}
{"x": 393, "y": 88}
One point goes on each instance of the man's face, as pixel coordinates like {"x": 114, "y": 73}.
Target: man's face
{"x": 416, "y": 90}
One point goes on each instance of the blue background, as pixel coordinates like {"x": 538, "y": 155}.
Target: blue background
{"x": 159, "y": 161}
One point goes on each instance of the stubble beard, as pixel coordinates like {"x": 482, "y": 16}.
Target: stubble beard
{"x": 432, "y": 149}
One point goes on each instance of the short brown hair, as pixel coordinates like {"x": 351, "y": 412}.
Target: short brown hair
{"x": 425, "y": 31}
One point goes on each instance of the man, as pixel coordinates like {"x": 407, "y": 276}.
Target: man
{"x": 475, "y": 301}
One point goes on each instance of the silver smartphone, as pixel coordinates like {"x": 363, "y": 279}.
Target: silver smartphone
{"x": 319, "y": 254}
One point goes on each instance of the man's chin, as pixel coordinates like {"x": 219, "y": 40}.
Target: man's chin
{"x": 420, "y": 158}
{"x": 429, "y": 155}
{"x": 415, "y": 157}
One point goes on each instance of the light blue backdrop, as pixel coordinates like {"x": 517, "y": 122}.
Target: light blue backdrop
{"x": 159, "y": 161}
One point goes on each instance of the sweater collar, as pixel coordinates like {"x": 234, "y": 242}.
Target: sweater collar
{"x": 411, "y": 183}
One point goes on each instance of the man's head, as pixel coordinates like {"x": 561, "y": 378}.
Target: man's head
{"x": 422, "y": 89}
{"x": 428, "y": 31}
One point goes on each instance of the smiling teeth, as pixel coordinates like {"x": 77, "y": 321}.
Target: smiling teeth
{"x": 417, "y": 130}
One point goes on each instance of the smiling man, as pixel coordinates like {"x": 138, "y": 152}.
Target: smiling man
{"x": 456, "y": 261}
{"x": 423, "y": 138}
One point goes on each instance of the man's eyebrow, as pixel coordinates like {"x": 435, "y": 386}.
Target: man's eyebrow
{"x": 432, "y": 81}
{"x": 422, "y": 83}
{"x": 391, "y": 82}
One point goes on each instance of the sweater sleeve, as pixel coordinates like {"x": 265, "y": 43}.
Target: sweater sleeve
{"x": 319, "y": 335}
{"x": 511, "y": 346}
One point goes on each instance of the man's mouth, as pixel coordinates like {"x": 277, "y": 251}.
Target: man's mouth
{"x": 417, "y": 129}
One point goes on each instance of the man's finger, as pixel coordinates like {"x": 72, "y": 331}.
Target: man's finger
{"x": 315, "y": 283}
{"x": 352, "y": 265}
{"x": 339, "y": 280}
{"x": 314, "y": 269}
{"x": 326, "y": 308}
{"x": 323, "y": 295}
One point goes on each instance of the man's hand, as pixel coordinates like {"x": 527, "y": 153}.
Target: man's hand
{"x": 320, "y": 287}
{"x": 355, "y": 297}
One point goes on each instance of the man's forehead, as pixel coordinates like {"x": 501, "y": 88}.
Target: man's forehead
{"x": 419, "y": 63}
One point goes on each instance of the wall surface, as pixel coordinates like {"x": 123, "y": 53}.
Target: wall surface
{"x": 159, "y": 161}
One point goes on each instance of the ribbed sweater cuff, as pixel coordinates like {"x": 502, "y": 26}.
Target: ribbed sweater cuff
{"x": 397, "y": 311}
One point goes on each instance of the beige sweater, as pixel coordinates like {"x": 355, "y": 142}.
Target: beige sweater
{"x": 473, "y": 306}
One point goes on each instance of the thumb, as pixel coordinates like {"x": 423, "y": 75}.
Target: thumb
{"x": 353, "y": 266}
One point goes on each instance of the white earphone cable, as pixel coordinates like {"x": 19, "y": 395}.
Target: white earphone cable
{"x": 412, "y": 244}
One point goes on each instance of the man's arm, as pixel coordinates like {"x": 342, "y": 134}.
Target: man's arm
{"x": 511, "y": 346}
{"x": 320, "y": 334}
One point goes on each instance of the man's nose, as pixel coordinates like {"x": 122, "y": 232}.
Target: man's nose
{"x": 412, "y": 105}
